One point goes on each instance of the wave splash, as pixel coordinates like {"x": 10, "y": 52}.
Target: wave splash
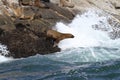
{"x": 90, "y": 29}
{"x": 3, "y": 52}
{"x": 92, "y": 42}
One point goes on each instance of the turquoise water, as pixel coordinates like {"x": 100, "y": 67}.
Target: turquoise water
{"x": 52, "y": 67}
{"x": 91, "y": 55}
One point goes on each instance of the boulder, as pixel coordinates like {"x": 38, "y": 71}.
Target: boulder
{"x": 26, "y": 37}
{"x": 24, "y": 43}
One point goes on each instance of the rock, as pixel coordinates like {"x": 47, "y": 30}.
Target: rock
{"x": 106, "y": 5}
{"x": 27, "y": 13}
{"x": 61, "y": 11}
{"x": 45, "y": 0}
{"x": 26, "y": 2}
{"x": 27, "y": 37}
{"x": 6, "y": 23}
{"x": 115, "y": 3}
{"x": 22, "y": 42}
{"x": 49, "y": 14}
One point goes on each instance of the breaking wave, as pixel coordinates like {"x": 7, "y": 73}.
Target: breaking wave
{"x": 92, "y": 40}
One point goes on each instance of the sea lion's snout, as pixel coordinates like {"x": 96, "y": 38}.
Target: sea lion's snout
{"x": 72, "y": 36}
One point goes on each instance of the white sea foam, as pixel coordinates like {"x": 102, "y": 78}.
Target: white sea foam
{"x": 92, "y": 42}
{"x": 3, "y": 52}
{"x": 83, "y": 27}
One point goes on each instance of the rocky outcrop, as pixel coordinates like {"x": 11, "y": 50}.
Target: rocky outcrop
{"x": 25, "y": 36}
{"x": 22, "y": 28}
{"x": 109, "y": 7}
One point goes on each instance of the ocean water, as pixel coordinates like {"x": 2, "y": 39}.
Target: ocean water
{"x": 91, "y": 55}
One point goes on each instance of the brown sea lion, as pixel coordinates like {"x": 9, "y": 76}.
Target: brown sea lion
{"x": 66, "y": 3}
{"x": 57, "y": 36}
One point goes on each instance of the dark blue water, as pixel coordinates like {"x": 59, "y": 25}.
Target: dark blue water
{"x": 59, "y": 66}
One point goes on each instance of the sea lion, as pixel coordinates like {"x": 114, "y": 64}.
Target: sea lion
{"x": 36, "y": 3}
{"x": 57, "y": 36}
{"x": 66, "y": 3}
{"x": 39, "y": 4}
{"x": 22, "y": 12}
{"x": 25, "y": 2}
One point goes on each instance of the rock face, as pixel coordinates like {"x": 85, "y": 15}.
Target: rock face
{"x": 25, "y": 36}
{"x": 110, "y": 7}
{"x": 22, "y": 27}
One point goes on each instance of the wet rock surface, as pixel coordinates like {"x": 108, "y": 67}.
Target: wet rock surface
{"x": 23, "y": 28}
{"x": 25, "y": 37}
